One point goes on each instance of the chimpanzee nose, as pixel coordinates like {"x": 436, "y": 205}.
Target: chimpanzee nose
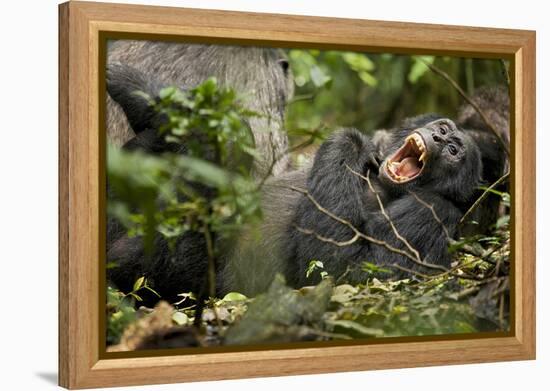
{"x": 436, "y": 138}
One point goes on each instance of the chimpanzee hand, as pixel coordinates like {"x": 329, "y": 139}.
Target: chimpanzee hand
{"x": 348, "y": 148}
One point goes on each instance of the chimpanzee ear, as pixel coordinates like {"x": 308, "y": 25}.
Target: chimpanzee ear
{"x": 133, "y": 92}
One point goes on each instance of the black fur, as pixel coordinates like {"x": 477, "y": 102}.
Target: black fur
{"x": 448, "y": 183}
{"x": 495, "y": 103}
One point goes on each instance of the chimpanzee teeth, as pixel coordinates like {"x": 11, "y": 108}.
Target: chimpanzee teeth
{"x": 421, "y": 158}
{"x": 418, "y": 142}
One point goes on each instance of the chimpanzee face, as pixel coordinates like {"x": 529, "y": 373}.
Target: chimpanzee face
{"x": 436, "y": 156}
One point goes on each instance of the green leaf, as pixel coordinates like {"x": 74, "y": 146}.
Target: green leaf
{"x": 318, "y": 77}
{"x": 185, "y": 296}
{"x": 463, "y": 327}
{"x": 209, "y": 87}
{"x": 343, "y": 293}
{"x": 503, "y": 222}
{"x": 358, "y": 62}
{"x": 145, "y": 96}
{"x": 430, "y": 311}
{"x": 152, "y": 290}
{"x": 180, "y": 318}
{"x": 367, "y": 78}
{"x": 111, "y": 265}
{"x": 167, "y": 92}
{"x": 206, "y": 172}
{"x": 234, "y": 296}
{"x": 419, "y": 67}
{"x": 350, "y": 324}
{"x": 136, "y": 296}
{"x": 313, "y": 265}
{"x": 139, "y": 283}
{"x": 372, "y": 268}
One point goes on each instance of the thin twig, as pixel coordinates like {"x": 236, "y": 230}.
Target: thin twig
{"x": 484, "y": 256}
{"x": 480, "y": 281}
{"x": 434, "y": 214}
{"x": 385, "y": 214}
{"x": 211, "y": 262}
{"x": 212, "y": 273}
{"x": 505, "y": 68}
{"x": 407, "y": 270}
{"x": 274, "y": 161}
{"x": 500, "y": 288}
{"x": 299, "y": 98}
{"x": 361, "y": 234}
{"x": 304, "y": 144}
{"x": 344, "y": 274}
{"x": 328, "y": 240}
{"x": 465, "y": 96}
{"x": 501, "y": 311}
{"x": 467, "y": 292}
{"x": 313, "y": 135}
{"x": 483, "y": 196}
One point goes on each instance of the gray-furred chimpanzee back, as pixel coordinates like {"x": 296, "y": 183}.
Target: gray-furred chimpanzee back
{"x": 260, "y": 75}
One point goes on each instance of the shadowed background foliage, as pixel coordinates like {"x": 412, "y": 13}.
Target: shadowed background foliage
{"x": 376, "y": 91}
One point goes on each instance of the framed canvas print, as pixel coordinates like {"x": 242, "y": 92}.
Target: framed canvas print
{"x": 248, "y": 195}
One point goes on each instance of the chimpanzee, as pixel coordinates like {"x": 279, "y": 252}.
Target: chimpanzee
{"x": 260, "y": 75}
{"x": 495, "y": 104}
{"x": 425, "y": 176}
{"x": 425, "y": 183}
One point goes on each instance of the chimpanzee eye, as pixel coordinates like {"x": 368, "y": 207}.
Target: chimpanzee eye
{"x": 453, "y": 149}
{"x": 443, "y": 129}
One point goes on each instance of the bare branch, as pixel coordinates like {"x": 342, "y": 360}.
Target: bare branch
{"x": 476, "y": 107}
{"x": 300, "y": 98}
{"x": 274, "y": 160}
{"x": 416, "y": 273}
{"x": 304, "y": 144}
{"x": 505, "y": 70}
{"x": 386, "y": 216}
{"x": 328, "y": 240}
{"x": 467, "y": 292}
{"x": 344, "y": 274}
{"x": 483, "y": 196}
{"x": 484, "y": 256}
{"x": 314, "y": 134}
{"x": 364, "y": 236}
{"x": 434, "y": 214}
{"x": 501, "y": 311}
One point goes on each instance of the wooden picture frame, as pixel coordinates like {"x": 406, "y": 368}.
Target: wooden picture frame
{"x": 82, "y": 364}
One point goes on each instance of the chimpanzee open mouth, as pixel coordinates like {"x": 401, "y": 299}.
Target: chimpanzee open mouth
{"x": 407, "y": 163}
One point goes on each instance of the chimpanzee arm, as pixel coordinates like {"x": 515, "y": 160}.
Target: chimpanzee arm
{"x": 332, "y": 183}
{"x": 342, "y": 193}
{"x": 417, "y": 224}
{"x": 126, "y": 86}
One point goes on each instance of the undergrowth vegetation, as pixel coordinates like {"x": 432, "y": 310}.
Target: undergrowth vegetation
{"x": 162, "y": 195}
